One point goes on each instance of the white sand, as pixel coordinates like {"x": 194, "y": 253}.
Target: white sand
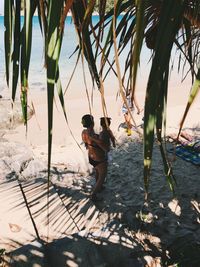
{"x": 65, "y": 148}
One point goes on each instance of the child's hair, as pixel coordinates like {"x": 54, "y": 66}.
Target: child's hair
{"x": 87, "y": 120}
{"x": 103, "y": 121}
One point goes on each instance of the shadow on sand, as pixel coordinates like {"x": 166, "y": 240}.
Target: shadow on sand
{"x": 121, "y": 230}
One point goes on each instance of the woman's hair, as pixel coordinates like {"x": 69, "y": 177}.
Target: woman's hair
{"x": 87, "y": 120}
{"x": 103, "y": 121}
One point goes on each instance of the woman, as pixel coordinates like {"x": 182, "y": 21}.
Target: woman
{"x": 97, "y": 153}
{"x": 126, "y": 112}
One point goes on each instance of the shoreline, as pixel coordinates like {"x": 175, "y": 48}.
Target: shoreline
{"x": 68, "y": 15}
{"x": 76, "y": 107}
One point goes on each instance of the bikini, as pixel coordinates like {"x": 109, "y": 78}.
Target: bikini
{"x": 95, "y": 163}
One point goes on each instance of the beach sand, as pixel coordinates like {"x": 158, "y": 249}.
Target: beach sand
{"x": 65, "y": 146}
{"x": 167, "y": 229}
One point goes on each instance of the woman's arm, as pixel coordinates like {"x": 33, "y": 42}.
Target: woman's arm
{"x": 137, "y": 106}
{"x": 100, "y": 143}
{"x": 84, "y": 138}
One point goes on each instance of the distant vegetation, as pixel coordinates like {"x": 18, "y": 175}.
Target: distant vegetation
{"x": 109, "y": 5}
{"x": 22, "y": 5}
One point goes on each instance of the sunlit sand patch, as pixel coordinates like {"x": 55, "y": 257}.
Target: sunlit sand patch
{"x": 174, "y": 207}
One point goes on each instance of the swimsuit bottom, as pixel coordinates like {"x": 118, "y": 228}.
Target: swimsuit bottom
{"x": 95, "y": 163}
{"x": 125, "y": 110}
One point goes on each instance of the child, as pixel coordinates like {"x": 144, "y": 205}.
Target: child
{"x": 106, "y": 134}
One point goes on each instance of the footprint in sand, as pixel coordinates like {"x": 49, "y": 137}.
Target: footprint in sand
{"x": 14, "y": 228}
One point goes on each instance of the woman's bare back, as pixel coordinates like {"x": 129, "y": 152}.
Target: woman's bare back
{"x": 94, "y": 151}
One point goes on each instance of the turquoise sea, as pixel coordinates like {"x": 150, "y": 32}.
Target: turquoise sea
{"x": 67, "y": 63}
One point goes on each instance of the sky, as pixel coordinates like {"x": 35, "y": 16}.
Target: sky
{"x": 1, "y": 6}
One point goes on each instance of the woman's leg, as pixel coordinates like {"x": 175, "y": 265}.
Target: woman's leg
{"x": 101, "y": 169}
{"x": 128, "y": 122}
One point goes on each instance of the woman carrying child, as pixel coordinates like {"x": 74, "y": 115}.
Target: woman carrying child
{"x": 97, "y": 153}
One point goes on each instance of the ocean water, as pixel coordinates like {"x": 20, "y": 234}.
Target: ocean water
{"x": 37, "y": 73}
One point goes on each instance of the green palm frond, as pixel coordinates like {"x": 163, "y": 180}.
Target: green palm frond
{"x": 54, "y": 42}
{"x": 164, "y": 42}
{"x": 139, "y": 35}
{"x": 8, "y": 24}
{"x": 25, "y": 55}
{"x": 161, "y": 131}
{"x": 16, "y": 49}
{"x": 193, "y": 94}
